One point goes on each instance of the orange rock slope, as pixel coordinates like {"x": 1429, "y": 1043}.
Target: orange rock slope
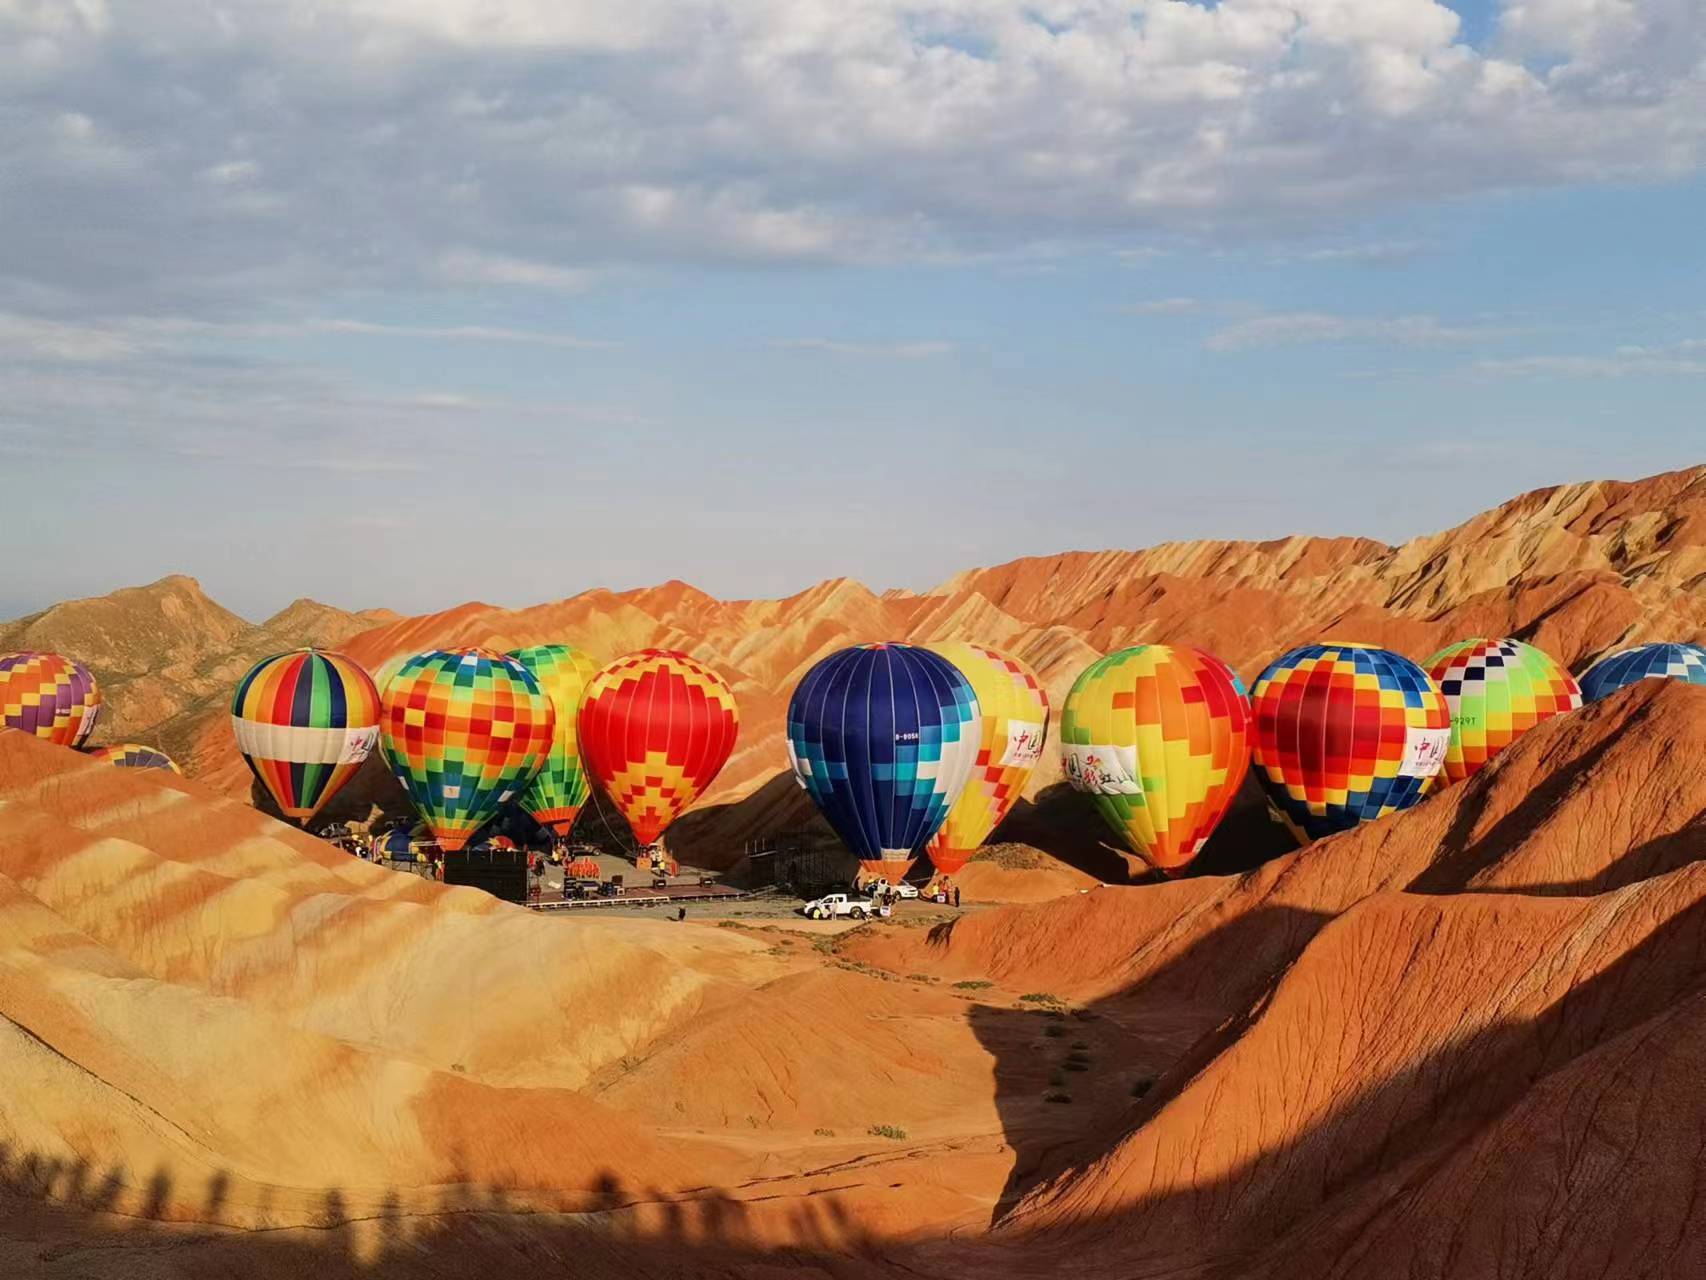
{"x": 1578, "y": 570}
{"x": 1463, "y": 1042}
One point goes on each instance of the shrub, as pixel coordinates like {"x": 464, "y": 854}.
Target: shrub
{"x": 1057, "y": 1095}
{"x": 887, "y": 1131}
{"x": 1039, "y": 997}
{"x": 976, "y": 984}
{"x": 824, "y": 1133}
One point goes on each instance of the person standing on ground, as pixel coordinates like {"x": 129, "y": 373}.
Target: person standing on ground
{"x": 956, "y": 896}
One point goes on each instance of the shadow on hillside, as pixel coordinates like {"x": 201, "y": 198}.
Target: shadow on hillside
{"x": 1371, "y": 1144}
{"x": 1290, "y": 1199}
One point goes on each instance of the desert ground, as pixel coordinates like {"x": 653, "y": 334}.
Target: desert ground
{"x": 1462, "y": 1041}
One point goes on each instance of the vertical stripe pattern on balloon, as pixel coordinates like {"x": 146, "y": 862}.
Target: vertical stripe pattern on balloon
{"x": 884, "y": 737}
{"x": 304, "y": 722}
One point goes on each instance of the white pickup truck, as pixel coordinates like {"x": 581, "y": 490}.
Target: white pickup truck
{"x": 833, "y": 905}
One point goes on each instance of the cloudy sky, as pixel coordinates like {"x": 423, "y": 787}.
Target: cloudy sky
{"x": 409, "y": 302}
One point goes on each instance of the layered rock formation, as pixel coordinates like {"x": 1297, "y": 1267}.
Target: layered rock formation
{"x": 1578, "y": 570}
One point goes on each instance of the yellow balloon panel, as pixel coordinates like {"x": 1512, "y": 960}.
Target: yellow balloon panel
{"x": 1015, "y": 726}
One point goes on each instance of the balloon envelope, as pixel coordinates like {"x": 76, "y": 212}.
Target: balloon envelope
{"x": 655, "y": 728}
{"x": 1159, "y": 735}
{"x": 1013, "y": 712}
{"x": 464, "y": 730}
{"x": 304, "y": 722}
{"x": 49, "y": 696}
{"x": 1685, "y": 662}
{"x": 559, "y": 789}
{"x": 133, "y": 755}
{"x": 884, "y": 737}
{"x": 1346, "y": 733}
{"x": 1496, "y": 690}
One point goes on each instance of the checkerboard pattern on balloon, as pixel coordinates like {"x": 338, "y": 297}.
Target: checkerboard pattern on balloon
{"x": 464, "y": 731}
{"x": 1015, "y": 712}
{"x": 1496, "y": 690}
{"x": 1345, "y": 734}
{"x": 133, "y": 755}
{"x": 1158, "y": 735}
{"x": 558, "y": 790}
{"x": 655, "y": 728}
{"x": 48, "y": 696}
{"x": 1685, "y": 662}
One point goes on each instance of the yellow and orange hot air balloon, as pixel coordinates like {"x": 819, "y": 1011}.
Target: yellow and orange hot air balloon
{"x": 1159, "y": 735}
{"x": 655, "y": 727}
{"x": 1013, "y": 710}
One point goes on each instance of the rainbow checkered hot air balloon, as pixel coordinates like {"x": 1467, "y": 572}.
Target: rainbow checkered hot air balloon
{"x": 1159, "y": 736}
{"x": 1346, "y": 733}
{"x": 49, "y": 696}
{"x": 655, "y": 728}
{"x": 305, "y": 721}
{"x": 1685, "y": 662}
{"x": 885, "y": 738}
{"x": 1496, "y": 691}
{"x": 133, "y": 755}
{"x": 464, "y": 730}
{"x": 558, "y": 791}
{"x": 1014, "y": 712}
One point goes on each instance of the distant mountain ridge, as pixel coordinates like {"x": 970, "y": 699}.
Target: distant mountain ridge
{"x": 1577, "y": 569}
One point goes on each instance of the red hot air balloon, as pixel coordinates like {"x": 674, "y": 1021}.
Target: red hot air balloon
{"x": 655, "y": 728}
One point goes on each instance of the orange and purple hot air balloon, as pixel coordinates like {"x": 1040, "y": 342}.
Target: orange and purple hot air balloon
{"x": 134, "y": 755}
{"x": 49, "y": 696}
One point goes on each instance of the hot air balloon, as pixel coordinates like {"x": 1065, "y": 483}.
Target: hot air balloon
{"x": 1496, "y": 690}
{"x": 304, "y": 722}
{"x": 1014, "y": 712}
{"x": 133, "y": 755}
{"x": 558, "y": 790}
{"x": 1685, "y": 662}
{"x": 655, "y": 727}
{"x": 1346, "y": 733}
{"x": 49, "y": 696}
{"x": 1159, "y": 735}
{"x": 464, "y": 730}
{"x": 885, "y": 738}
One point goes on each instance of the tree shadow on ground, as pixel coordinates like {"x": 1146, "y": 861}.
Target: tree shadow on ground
{"x": 1299, "y": 1206}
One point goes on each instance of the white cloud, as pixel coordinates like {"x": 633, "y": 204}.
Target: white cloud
{"x": 458, "y": 333}
{"x": 896, "y": 350}
{"x": 288, "y": 148}
{"x": 1307, "y": 328}
{"x": 1678, "y": 359}
{"x": 1166, "y": 307}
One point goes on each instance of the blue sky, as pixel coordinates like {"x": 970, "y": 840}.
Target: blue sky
{"x": 396, "y": 310}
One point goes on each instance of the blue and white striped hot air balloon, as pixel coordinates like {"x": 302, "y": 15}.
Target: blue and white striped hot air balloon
{"x": 1685, "y": 662}
{"x": 884, "y": 737}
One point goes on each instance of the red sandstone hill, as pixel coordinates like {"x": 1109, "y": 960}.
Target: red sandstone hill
{"x": 1578, "y": 569}
{"x": 1464, "y": 1042}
